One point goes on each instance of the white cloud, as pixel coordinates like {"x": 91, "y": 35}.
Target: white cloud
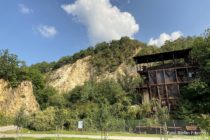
{"x": 24, "y": 9}
{"x": 47, "y": 31}
{"x": 165, "y": 37}
{"x": 104, "y": 22}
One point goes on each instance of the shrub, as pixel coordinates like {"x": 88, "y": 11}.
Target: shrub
{"x": 43, "y": 120}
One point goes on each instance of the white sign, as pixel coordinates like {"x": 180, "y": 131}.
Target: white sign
{"x": 80, "y": 124}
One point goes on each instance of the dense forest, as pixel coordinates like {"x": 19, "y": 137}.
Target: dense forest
{"x": 109, "y": 103}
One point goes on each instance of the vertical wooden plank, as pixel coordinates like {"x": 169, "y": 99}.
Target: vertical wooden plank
{"x": 187, "y": 74}
{"x": 148, "y": 85}
{"x": 157, "y": 86}
{"x": 165, "y": 85}
{"x": 177, "y": 81}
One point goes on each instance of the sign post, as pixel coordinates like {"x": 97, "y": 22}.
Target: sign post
{"x": 80, "y": 125}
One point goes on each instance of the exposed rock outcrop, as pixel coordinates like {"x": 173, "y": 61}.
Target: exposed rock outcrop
{"x": 12, "y": 99}
{"x": 69, "y": 76}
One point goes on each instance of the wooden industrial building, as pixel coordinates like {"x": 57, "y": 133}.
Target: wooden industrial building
{"x": 164, "y": 74}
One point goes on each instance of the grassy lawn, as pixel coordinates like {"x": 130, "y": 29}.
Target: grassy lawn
{"x": 47, "y": 139}
{"x": 26, "y": 131}
{"x": 190, "y": 138}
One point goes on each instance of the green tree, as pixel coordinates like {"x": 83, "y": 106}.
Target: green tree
{"x": 56, "y": 99}
{"x": 104, "y": 117}
{"x": 148, "y": 50}
{"x": 20, "y": 120}
{"x": 179, "y": 44}
{"x": 43, "y": 120}
{"x": 203, "y": 121}
{"x": 9, "y": 67}
{"x": 197, "y": 97}
{"x": 46, "y": 97}
{"x": 60, "y": 118}
{"x": 129, "y": 83}
{"x": 43, "y": 67}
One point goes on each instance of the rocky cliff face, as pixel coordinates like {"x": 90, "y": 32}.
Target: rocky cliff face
{"x": 12, "y": 99}
{"x": 69, "y": 76}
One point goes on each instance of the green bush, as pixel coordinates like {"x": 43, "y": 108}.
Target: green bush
{"x": 116, "y": 124}
{"x": 5, "y": 120}
{"x": 203, "y": 120}
{"x": 43, "y": 120}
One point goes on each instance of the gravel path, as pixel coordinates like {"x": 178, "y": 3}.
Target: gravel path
{"x": 7, "y": 128}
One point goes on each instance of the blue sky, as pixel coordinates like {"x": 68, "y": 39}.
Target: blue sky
{"x": 38, "y": 30}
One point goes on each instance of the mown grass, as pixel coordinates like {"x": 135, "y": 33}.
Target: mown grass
{"x": 98, "y": 133}
{"x": 47, "y": 139}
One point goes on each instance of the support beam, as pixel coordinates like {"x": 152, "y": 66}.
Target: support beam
{"x": 166, "y": 90}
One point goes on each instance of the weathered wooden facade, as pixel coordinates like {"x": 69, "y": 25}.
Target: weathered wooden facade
{"x": 164, "y": 74}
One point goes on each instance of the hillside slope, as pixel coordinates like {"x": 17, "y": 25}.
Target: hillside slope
{"x": 69, "y": 76}
{"x": 105, "y": 60}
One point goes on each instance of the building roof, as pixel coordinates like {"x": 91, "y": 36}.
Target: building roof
{"x": 162, "y": 56}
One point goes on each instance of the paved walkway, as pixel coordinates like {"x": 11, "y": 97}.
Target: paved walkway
{"x": 7, "y": 128}
{"x": 87, "y": 136}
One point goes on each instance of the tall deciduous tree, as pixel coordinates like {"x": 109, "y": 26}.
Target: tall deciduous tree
{"x": 9, "y": 67}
